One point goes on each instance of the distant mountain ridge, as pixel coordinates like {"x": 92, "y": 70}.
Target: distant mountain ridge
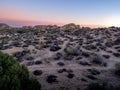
{"x": 70, "y": 26}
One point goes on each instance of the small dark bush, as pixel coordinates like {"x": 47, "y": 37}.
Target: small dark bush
{"x": 102, "y": 86}
{"x": 51, "y": 79}
{"x": 70, "y": 75}
{"x": 21, "y": 31}
{"x": 97, "y": 60}
{"x": 117, "y": 70}
{"x": 96, "y": 86}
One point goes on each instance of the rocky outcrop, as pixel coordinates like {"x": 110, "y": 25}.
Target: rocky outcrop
{"x": 70, "y": 27}
{"x": 45, "y": 27}
{"x": 3, "y": 26}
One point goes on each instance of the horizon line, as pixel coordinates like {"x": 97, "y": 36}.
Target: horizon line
{"x": 21, "y": 23}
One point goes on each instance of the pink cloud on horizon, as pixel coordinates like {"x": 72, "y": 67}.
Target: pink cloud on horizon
{"x": 17, "y": 16}
{"x": 24, "y": 22}
{"x": 30, "y": 22}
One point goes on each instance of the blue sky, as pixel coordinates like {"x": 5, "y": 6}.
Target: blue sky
{"x": 95, "y": 12}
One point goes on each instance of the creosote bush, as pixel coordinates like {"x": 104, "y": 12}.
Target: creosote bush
{"x": 102, "y": 86}
{"x": 21, "y": 31}
{"x": 117, "y": 70}
{"x": 117, "y": 65}
{"x": 14, "y": 76}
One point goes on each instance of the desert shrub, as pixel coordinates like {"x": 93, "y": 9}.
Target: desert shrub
{"x": 14, "y": 76}
{"x": 102, "y": 86}
{"x": 21, "y": 31}
{"x": 117, "y": 66}
{"x": 117, "y": 70}
{"x": 97, "y": 60}
{"x": 71, "y": 51}
{"x": 95, "y": 86}
{"x": 44, "y": 45}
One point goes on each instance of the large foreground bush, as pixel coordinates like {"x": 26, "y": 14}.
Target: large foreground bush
{"x": 14, "y": 76}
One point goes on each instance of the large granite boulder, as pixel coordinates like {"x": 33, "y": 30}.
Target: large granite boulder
{"x": 3, "y": 26}
{"x": 70, "y": 27}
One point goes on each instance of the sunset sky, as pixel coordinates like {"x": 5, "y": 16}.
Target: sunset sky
{"x": 60, "y": 12}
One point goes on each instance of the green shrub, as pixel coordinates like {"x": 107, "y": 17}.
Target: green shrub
{"x": 71, "y": 51}
{"x": 14, "y": 76}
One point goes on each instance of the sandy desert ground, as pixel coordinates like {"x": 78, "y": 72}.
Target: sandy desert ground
{"x": 67, "y": 57}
